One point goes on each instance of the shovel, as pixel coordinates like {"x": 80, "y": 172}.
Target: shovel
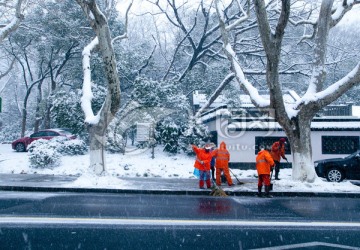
{"x": 238, "y": 182}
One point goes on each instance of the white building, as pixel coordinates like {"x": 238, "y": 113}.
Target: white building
{"x": 331, "y": 137}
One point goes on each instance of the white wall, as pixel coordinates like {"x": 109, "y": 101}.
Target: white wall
{"x": 242, "y": 145}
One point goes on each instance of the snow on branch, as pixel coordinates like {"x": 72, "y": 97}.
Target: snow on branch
{"x": 87, "y": 94}
{"x": 334, "y": 91}
{"x": 340, "y": 10}
{"x": 242, "y": 19}
{"x": 338, "y": 88}
{"x": 256, "y": 98}
{"x": 14, "y": 24}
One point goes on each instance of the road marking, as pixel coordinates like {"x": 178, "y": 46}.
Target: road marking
{"x": 315, "y": 244}
{"x": 161, "y": 222}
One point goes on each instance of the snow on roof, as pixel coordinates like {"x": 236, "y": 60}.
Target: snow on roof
{"x": 288, "y": 98}
{"x": 213, "y": 114}
{"x": 201, "y": 99}
{"x": 266, "y": 124}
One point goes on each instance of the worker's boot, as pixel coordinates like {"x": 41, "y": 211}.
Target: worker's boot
{"x": 277, "y": 175}
{"x": 267, "y": 192}
{"x": 259, "y": 191}
{"x": 201, "y": 184}
{"x": 208, "y": 183}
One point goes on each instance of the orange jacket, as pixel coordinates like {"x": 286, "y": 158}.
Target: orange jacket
{"x": 222, "y": 156}
{"x": 203, "y": 158}
{"x": 264, "y": 162}
{"x": 277, "y": 151}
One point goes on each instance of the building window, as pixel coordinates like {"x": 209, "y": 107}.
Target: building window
{"x": 268, "y": 142}
{"x": 339, "y": 144}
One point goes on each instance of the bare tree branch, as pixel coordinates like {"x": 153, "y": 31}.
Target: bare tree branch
{"x": 123, "y": 36}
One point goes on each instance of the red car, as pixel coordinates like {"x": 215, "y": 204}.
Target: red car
{"x": 20, "y": 145}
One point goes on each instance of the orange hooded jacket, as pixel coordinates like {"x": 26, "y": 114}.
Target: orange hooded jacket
{"x": 264, "y": 162}
{"x": 277, "y": 151}
{"x": 203, "y": 158}
{"x": 222, "y": 156}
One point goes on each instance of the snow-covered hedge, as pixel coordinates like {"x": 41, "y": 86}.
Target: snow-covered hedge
{"x": 47, "y": 153}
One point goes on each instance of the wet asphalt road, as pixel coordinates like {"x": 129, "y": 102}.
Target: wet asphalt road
{"x": 32, "y": 220}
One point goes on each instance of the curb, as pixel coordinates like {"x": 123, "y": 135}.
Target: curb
{"x": 171, "y": 192}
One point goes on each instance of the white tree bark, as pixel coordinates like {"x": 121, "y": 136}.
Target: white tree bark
{"x": 296, "y": 120}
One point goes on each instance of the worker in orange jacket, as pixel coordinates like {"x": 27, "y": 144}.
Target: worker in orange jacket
{"x": 222, "y": 164}
{"x": 264, "y": 164}
{"x": 202, "y": 162}
{"x": 278, "y": 152}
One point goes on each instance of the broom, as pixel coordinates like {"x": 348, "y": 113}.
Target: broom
{"x": 238, "y": 182}
{"x": 216, "y": 190}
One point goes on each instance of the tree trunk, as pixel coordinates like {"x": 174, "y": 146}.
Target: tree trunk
{"x": 38, "y": 115}
{"x": 97, "y": 136}
{"x": 23, "y": 122}
{"x": 97, "y": 130}
{"x": 47, "y": 118}
{"x": 300, "y": 141}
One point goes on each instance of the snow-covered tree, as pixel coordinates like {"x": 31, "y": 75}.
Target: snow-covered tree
{"x": 294, "y": 119}
{"x": 99, "y": 123}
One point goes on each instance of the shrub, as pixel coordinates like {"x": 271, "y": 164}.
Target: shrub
{"x": 47, "y": 153}
{"x": 115, "y": 143}
{"x": 43, "y": 154}
{"x": 71, "y": 147}
{"x": 9, "y": 133}
{"x": 168, "y": 134}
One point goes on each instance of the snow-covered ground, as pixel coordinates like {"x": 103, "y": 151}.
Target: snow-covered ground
{"x": 139, "y": 163}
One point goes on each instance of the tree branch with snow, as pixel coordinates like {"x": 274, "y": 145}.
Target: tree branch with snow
{"x": 15, "y": 22}
{"x": 257, "y": 99}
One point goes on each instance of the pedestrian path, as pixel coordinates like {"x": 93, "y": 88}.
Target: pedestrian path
{"x": 170, "y": 186}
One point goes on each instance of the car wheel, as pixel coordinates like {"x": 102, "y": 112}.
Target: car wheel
{"x": 335, "y": 175}
{"x": 20, "y": 147}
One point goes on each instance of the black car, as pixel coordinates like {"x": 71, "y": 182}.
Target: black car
{"x": 337, "y": 169}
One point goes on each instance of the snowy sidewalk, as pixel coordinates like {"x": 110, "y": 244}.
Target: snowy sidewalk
{"x": 169, "y": 186}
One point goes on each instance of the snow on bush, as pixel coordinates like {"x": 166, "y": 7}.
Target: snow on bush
{"x": 71, "y": 147}
{"x": 9, "y": 133}
{"x": 47, "y": 153}
{"x": 43, "y": 154}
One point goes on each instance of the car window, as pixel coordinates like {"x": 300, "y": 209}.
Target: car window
{"x": 51, "y": 133}
{"x": 37, "y": 134}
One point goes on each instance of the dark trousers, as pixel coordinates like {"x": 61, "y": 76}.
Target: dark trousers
{"x": 277, "y": 169}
